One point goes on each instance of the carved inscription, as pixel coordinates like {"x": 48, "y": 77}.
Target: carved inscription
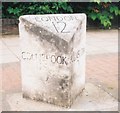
{"x": 63, "y": 30}
{"x": 59, "y": 59}
{"x": 58, "y": 21}
{"x": 56, "y": 18}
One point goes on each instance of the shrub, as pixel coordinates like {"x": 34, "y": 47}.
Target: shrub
{"x": 15, "y": 9}
{"x": 102, "y": 12}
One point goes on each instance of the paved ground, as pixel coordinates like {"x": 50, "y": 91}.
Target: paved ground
{"x": 101, "y": 74}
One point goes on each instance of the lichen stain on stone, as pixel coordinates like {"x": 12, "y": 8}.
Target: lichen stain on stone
{"x": 43, "y": 34}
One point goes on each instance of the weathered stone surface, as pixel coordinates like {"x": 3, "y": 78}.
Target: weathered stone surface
{"x": 53, "y": 57}
{"x": 93, "y": 98}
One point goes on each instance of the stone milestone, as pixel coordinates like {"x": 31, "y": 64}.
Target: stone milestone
{"x": 53, "y": 57}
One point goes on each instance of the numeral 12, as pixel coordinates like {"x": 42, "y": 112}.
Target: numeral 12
{"x": 63, "y": 29}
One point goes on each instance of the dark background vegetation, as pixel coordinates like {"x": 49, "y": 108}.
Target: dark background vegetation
{"x": 101, "y": 14}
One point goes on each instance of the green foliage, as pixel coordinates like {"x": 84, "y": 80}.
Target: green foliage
{"x": 14, "y": 10}
{"x": 115, "y": 10}
{"x": 102, "y": 12}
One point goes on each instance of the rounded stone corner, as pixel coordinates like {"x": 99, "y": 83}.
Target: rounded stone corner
{"x": 23, "y": 17}
{"x": 85, "y": 16}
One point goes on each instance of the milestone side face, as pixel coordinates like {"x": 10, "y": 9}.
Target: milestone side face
{"x": 53, "y": 57}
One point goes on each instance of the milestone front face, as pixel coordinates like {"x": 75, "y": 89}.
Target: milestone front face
{"x": 53, "y": 57}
